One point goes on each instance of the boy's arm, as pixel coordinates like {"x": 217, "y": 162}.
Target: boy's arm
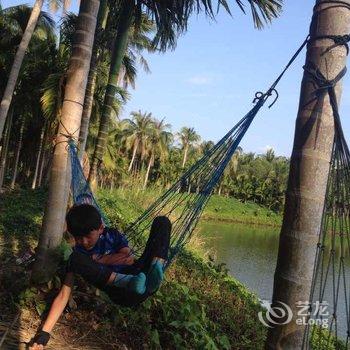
{"x": 124, "y": 256}
{"x": 56, "y": 309}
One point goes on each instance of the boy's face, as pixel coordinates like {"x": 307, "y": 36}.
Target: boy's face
{"x": 89, "y": 241}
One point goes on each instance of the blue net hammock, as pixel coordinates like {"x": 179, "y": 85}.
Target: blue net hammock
{"x": 182, "y": 207}
{"x": 179, "y": 204}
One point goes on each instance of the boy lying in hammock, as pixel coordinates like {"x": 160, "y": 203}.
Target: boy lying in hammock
{"x": 103, "y": 258}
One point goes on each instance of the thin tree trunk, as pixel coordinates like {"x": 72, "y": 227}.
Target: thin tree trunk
{"x": 53, "y": 221}
{"x": 148, "y": 171}
{"x": 189, "y": 188}
{"x": 133, "y": 155}
{"x": 46, "y": 149}
{"x": 309, "y": 168}
{"x": 16, "y": 66}
{"x": 4, "y": 150}
{"x": 185, "y": 157}
{"x": 119, "y": 49}
{"x": 18, "y": 151}
{"x": 42, "y": 165}
{"x": 38, "y": 159}
{"x": 91, "y": 84}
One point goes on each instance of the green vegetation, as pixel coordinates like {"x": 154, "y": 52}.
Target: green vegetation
{"x": 140, "y": 151}
{"x": 219, "y": 208}
{"x": 230, "y": 209}
{"x": 199, "y": 306}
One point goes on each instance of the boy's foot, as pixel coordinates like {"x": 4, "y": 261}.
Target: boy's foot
{"x": 137, "y": 283}
{"x": 134, "y": 283}
{"x": 155, "y": 276}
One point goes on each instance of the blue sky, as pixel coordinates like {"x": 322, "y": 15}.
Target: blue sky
{"x": 210, "y": 79}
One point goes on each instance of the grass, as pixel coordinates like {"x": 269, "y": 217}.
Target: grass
{"x": 230, "y": 209}
{"x": 199, "y": 306}
{"x": 219, "y": 208}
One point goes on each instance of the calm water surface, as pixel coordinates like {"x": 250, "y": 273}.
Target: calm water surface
{"x": 248, "y": 251}
{"x": 250, "y": 254}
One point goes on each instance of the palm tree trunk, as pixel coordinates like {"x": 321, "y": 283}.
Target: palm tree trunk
{"x": 91, "y": 84}
{"x": 185, "y": 157}
{"x": 35, "y": 178}
{"x": 53, "y": 221}
{"x": 18, "y": 151}
{"x": 4, "y": 149}
{"x": 148, "y": 171}
{"x": 16, "y": 66}
{"x": 119, "y": 49}
{"x": 309, "y": 168}
{"x": 133, "y": 155}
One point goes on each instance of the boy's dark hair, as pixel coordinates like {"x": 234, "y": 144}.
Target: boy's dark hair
{"x": 82, "y": 219}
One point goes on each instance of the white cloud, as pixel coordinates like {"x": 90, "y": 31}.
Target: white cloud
{"x": 266, "y": 148}
{"x": 199, "y": 80}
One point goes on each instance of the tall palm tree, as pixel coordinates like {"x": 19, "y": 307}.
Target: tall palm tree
{"x": 136, "y": 132}
{"x": 158, "y": 143}
{"x": 270, "y": 155}
{"x": 171, "y": 20}
{"x": 308, "y": 174}
{"x": 187, "y": 137}
{"x": 16, "y": 66}
{"x": 138, "y": 40}
{"x": 53, "y": 221}
{"x": 91, "y": 84}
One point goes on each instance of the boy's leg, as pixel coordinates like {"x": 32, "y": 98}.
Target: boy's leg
{"x": 96, "y": 274}
{"x": 101, "y": 276}
{"x": 156, "y": 253}
{"x": 157, "y": 244}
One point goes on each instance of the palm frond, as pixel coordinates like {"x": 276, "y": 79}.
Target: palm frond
{"x": 264, "y": 11}
{"x": 51, "y": 98}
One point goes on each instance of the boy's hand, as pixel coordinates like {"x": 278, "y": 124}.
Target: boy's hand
{"x": 96, "y": 257}
{"x": 40, "y": 340}
{"x": 122, "y": 257}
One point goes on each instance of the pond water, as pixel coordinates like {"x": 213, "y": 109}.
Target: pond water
{"x": 250, "y": 254}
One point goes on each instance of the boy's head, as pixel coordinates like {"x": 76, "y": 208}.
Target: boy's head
{"x": 84, "y": 223}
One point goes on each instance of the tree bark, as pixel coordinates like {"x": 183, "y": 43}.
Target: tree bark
{"x": 16, "y": 66}
{"x": 91, "y": 84}
{"x": 120, "y": 45}
{"x": 309, "y": 168}
{"x": 4, "y": 149}
{"x": 53, "y": 221}
{"x": 18, "y": 151}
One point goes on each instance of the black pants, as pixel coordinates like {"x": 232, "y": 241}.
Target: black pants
{"x": 98, "y": 275}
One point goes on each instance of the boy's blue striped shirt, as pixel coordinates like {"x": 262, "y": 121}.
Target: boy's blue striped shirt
{"x": 110, "y": 241}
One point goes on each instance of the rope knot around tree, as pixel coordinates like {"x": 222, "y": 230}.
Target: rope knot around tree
{"x": 70, "y": 138}
{"x": 322, "y": 84}
{"x": 339, "y": 40}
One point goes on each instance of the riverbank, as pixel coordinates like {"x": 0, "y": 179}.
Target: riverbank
{"x": 219, "y": 208}
{"x": 199, "y": 305}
